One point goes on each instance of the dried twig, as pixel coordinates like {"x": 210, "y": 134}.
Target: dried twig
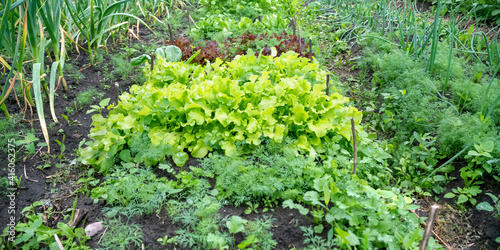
{"x": 78, "y": 217}
{"x": 131, "y": 32}
{"x": 58, "y": 242}
{"x": 102, "y": 236}
{"x": 26, "y": 176}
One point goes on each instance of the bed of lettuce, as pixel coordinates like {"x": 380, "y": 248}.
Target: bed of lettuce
{"x": 229, "y": 107}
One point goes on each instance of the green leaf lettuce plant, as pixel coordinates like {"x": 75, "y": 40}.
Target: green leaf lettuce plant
{"x": 193, "y": 109}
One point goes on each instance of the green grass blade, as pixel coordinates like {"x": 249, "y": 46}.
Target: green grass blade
{"x": 39, "y": 103}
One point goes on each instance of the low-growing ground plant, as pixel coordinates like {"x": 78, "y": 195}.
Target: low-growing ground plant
{"x": 85, "y": 98}
{"x": 135, "y": 189}
{"x": 121, "y": 235}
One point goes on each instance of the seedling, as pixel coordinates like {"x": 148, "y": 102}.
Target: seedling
{"x": 29, "y": 143}
{"x": 62, "y": 146}
{"x": 236, "y": 225}
{"x": 252, "y": 208}
{"x": 98, "y": 108}
{"x": 65, "y": 118}
{"x": 165, "y": 240}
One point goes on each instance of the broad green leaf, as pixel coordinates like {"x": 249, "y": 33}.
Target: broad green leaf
{"x": 125, "y": 155}
{"x": 236, "y": 224}
{"x": 139, "y": 60}
{"x": 462, "y": 198}
{"x": 200, "y": 150}
{"x": 384, "y": 226}
{"x": 299, "y": 114}
{"x": 180, "y": 158}
{"x": 196, "y": 116}
{"x": 320, "y": 127}
{"x": 318, "y": 228}
{"x": 449, "y": 195}
{"x": 487, "y": 146}
{"x": 311, "y": 196}
{"x": 485, "y": 206}
{"x": 173, "y": 53}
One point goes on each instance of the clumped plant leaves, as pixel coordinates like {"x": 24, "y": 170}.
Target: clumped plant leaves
{"x": 236, "y": 224}
{"x": 192, "y": 109}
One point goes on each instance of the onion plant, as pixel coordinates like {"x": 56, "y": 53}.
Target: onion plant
{"x": 96, "y": 20}
{"x": 25, "y": 24}
{"x": 39, "y": 102}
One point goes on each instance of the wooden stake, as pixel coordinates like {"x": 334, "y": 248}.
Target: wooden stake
{"x": 171, "y": 34}
{"x": 310, "y": 49}
{"x": 294, "y": 23}
{"x": 152, "y": 61}
{"x": 428, "y": 230}
{"x": 328, "y": 85}
{"x": 116, "y": 93}
{"x": 300, "y": 41}
{"x": 354, "y": 146}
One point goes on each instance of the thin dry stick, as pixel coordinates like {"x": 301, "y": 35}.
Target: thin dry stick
{"x": 131, "y": 32}
{"x": 428, "y": 230}
{"x": 78, "y": 217}
{"x": 102, "y": 236}
{"x": 328, "y": 85}
{"x": 75, "y": 216}
{"x": 26, "y": 176}
{"x": 138, "y": 30}
{"x": 11, "y": 87}
{"x": 437, "y": 236}
{"x": 354, "y": 146}
{"x": 58, "y": 242}
{"x": 116, "y": 93}
{"x": 171, "y": 34}
{"x": 188, "y": 16}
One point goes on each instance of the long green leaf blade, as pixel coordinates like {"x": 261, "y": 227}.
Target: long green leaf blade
{"x": 52, "y": 87}
{"x": 39, "y": 103}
